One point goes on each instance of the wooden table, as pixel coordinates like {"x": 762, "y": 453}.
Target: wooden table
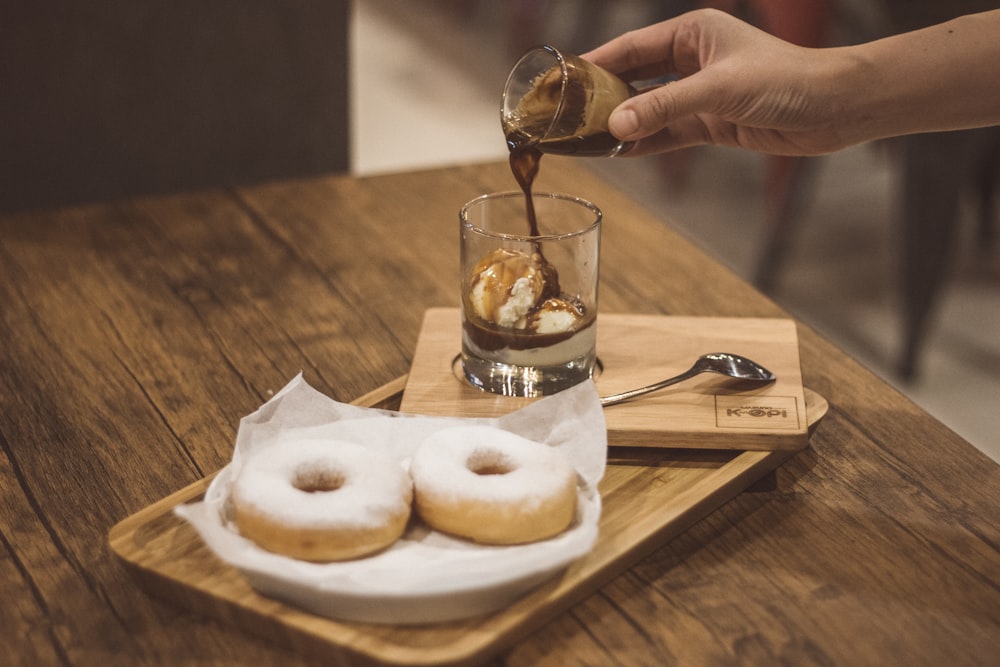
{"x": 134, "y": 335}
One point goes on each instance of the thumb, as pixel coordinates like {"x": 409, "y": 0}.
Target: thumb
{"x": 652, "y": 110}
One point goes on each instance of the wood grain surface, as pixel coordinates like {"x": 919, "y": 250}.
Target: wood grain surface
{"x": 648, "y": 498}
{"x": 706, "y": 412}
{"x": 135, "y": 334}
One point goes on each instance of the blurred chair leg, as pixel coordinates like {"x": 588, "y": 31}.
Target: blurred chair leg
{"x": 802, "y": 22}
{"x": 788, "y": 190}
{"x": 987, "y": 183}
{"x": 933, "y": 172}
{"x": 937, "y": 168}
{"x": 789, "y": 179}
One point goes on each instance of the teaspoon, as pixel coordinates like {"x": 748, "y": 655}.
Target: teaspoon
{"x": 723, "y": 363}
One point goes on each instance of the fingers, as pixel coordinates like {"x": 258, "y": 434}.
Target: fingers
{"x": 682, "y": 46}
{"x": 636, "y": 55}
{"x": 736, "y": 86}
{"x": 671, "y": 47}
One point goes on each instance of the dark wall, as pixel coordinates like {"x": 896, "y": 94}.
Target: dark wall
{"x": 101, "y": 99}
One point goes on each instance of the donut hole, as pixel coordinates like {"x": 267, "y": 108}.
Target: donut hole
{"x": 490, "y": 462}
{"x": 317, "y": 480}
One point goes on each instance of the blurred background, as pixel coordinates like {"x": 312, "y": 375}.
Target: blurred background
{"x": 827, "y": 238}
{"x": 887, "y": 249}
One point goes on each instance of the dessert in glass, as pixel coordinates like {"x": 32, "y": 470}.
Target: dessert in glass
{"x": 529, "y": 295}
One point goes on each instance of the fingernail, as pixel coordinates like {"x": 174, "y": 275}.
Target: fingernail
{"x": 623, "y": 124}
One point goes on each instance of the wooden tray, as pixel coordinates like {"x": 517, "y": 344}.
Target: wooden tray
{"x": 649, "y": 496}
{"x": 706, "y": 412}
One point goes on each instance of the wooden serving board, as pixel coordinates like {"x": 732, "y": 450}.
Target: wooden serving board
{"x": 706, "y": 412}
{"x": 649, "y": 496}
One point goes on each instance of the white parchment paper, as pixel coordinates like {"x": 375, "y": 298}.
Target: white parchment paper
{"x": 426, "y": 576}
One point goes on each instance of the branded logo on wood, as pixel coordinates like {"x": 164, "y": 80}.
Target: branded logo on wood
{"x": 770, "y": 412}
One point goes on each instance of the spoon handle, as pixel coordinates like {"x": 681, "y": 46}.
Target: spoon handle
{"x": 615, "y": 399}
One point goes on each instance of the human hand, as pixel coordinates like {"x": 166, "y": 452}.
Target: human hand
{"x": 736, "y": 86}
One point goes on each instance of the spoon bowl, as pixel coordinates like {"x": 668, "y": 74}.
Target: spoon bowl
{"x": 723, "y": 363}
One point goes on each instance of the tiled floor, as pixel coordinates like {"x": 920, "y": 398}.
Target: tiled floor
{"x": 839, "y": 275}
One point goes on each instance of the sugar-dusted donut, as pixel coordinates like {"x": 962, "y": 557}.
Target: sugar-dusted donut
{"x": 492, "y": 486}
{"x": 321, "y": 500}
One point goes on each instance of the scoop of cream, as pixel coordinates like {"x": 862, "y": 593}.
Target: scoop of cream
{"x": 505, "y": 286}
{"x": 555, "y": 316}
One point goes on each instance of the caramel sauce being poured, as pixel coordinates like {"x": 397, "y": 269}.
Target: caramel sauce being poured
{"x": 525, "y": 160}
{"x": 560, "y": 116}
{"x": 526, "y": 130}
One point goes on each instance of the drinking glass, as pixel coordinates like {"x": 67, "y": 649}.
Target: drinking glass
{"x": 560, "y": 103}
{"x": 529, "y": 301}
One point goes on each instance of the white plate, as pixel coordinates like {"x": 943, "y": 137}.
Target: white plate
{"x": 426, "y": 576}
